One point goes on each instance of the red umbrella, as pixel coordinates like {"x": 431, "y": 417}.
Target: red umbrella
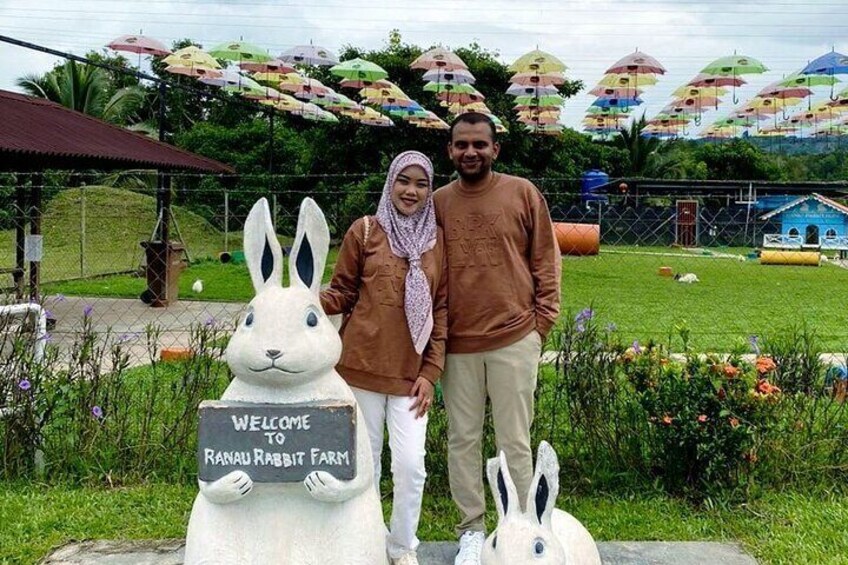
{"x": 272, "y": 66}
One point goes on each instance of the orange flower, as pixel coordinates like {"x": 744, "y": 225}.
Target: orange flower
{"x": 667, "y": 420}
{"x": 751, "y": 457}
{"x": 702, "y": 418}
{"x": 730, "y": 371}
{"x": 734, "y": 422}
{"x": 766, "y": 388}
{"x": 765, "y": 365}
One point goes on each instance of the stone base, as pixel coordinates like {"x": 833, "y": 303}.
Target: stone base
{"x": 170, "y": 552}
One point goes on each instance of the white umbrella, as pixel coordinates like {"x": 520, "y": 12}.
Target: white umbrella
{"x": 309, "y": 55}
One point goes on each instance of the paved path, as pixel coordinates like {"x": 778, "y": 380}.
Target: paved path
{"x": 170, "y": 552}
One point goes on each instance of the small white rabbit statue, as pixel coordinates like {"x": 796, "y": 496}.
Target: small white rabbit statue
{"x": 541, "y": 535}
{"x": 284, "y": 352}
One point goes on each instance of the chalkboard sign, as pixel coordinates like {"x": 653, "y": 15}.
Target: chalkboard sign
{"x": 276, "y": 443}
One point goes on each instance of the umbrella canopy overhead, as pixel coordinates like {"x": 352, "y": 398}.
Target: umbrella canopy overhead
{"x": 309, "y": 55}
{"x": 439, "y": 58}
{"x": 139, "y": 44}
{"x": 625, "y": 80}
{"x": 270, "y": 66}
{"x": 734, "y": 65}
{"x": 457, "y": 76}
{"x": 832, "y": 63}
{"x": 713, "y": 80}
{"x": 359, "y": 69}
{"x": 240, "y": 51}
{"x": 537, "y": 61}
{"x": 191, "y": 56}
{"x": 637, "y": 63}
{"x": 540, "y": 79}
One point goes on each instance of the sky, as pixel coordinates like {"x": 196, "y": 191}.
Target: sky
{"x": 587, "y": 35}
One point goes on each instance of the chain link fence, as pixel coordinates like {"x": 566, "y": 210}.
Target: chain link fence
{"x": 93, "y": 262}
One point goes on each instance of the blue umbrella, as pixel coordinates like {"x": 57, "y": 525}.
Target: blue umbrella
{"x": 616, "y": 102}
{"x": 832, "y": 63}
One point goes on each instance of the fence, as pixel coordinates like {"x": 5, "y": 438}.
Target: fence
{"x": 93, "y": 260}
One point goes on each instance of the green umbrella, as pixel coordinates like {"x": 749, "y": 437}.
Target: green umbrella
{"x": 359, "y": 69}
{"x": 797, "y": 79}
{"x": 608, "y": 111}
{"x": 240, "y": 51}
{"x": 547, "y": 100}
{"x": 734, "y": 65}
{"x": 452, "y": 88}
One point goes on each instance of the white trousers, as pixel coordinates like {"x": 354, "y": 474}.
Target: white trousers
{"x": 407, "y": 437}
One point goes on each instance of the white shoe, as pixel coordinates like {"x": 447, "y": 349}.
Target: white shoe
{"x": 410, "y": 558}
{"x": 470, "y": 548}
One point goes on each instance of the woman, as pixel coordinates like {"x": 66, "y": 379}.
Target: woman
{"x": 390, "y": 281}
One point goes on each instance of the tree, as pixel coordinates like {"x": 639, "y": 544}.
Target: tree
{"x": 86, "y": 89}
{"x": 639, "y": 147}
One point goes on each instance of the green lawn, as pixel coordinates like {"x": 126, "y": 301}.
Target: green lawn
{"x": 778, "y": 528}
{"x": 733, "y": 299}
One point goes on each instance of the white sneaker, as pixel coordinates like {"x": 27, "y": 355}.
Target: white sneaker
{"x": 470, "y": 548}
{"x": 410, "y": 558}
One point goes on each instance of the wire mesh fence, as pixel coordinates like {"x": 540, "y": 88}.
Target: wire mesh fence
{"x": 96, "y": 254}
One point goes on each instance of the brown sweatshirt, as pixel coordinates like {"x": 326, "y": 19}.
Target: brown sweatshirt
{"x": 368, "y": 287}
{"x": 504, "y": 266}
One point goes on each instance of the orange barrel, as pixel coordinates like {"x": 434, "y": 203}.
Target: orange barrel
{"x": 578, "y": 239}
{"x": 778, "y": 257}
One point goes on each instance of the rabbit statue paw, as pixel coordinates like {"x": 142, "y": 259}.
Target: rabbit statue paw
{"x": 325, "y": 487}
{"x": 229, "y": 488}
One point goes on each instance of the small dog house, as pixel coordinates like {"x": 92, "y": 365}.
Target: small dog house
{"x": 809, "y": 222}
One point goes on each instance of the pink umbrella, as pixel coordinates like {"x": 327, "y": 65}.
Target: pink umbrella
{"x": 460, "y": 98}
{"x": 358, "y": 84}
{"x": 139, "y": 44}
{"x": 637, "y": 63}
{"x": 195, "y": 72}
{"x": 609, "y": 92}
{"x": 542, "y": 79}
{"x": 439, "y": 58}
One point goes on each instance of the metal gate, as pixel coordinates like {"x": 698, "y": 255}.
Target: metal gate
{"x": 687, "y": 223}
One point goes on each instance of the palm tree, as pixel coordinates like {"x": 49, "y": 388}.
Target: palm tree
{"x": 86, "y": 89}
{"x": 639, "y": 146}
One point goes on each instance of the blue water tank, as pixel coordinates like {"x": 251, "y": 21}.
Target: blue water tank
{"x": 593, "y": 185}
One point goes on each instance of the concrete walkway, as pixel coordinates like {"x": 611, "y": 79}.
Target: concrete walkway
{"x": 170, "y": 552}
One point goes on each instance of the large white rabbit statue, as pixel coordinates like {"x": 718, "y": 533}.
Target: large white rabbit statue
{"x": 284, "y": 352}
{"x": 542, "y": 535}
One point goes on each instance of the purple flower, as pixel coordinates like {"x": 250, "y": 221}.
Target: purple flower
{"x": 754, "y": 342}
{"x": 48, "y": 314}
{"x": 97, "y": 412}
{"x": 87, "y": 310}
{"x": 123, "y": 338}
{"x": 59, "y": 298}
{"x": 584, "y": 315}
{"x": 210, "y": 321}
{"x": 637, "y": 349}
{"x": 581, "y": 327}
{"x": 47, "y": 338}
{"x": 24, "y": 385}
{"x": 611, "y": 327}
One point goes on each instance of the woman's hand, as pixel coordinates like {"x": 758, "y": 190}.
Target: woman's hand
{"x": 423, "y": 391}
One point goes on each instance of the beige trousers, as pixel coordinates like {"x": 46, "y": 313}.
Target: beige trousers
{"x": 508, "y": 377}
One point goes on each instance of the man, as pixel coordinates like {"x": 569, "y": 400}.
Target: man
{"x": 503, "y": 298}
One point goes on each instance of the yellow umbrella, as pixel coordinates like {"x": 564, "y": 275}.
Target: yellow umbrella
{"x": 537, "y": 61}
{"x": 774, "y": 102}
{"x": 191, "y": 56}
{"x": 293, "y": 79}
{"x": 473, "y": 107}
{"x": 625, "y": 80}
{"x": 686, "y": 91}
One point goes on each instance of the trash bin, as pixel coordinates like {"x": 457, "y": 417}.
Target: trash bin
{"x": 165, "y": 263}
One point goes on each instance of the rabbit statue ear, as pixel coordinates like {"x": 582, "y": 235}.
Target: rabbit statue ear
{"x": 541, "y": 498}
{"x": 262, "y": 250}
{"x": 311, "y": 244}
{"x": 503, "y": 489}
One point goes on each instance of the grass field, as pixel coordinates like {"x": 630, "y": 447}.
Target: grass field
{"x": 780, "y": 528}
{"x": 733, "y": 300}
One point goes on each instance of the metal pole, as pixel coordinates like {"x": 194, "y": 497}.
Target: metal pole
{"x": 20, "y": 237}
{"x": 82, "y": 231}
{"x": 274, "y": 209}
{"x": 35, "y": 229}
{"x": 226, "y": 220}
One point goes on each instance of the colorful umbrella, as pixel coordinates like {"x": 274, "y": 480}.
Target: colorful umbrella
{"x": 195, "y": 72}
{"x": 359, "y": 69}
{"x": 637, "y": 63}
{"x": 627, "y": 81}
{"x": 365, "y": 84}
{"x": 537, "y": 61}
{"x": 309, "y": 55}
{"x": 438, "y": 58}
{"x": 547, "y": 100}
{"x": 139, "y": 44}
{"x": 540, "y": 79}
{"x": 611, "y": 92}
{"x": 521, "y": 90}
{"x": 734, "y": 66}
{"x": 191, "y": 56}
{"x": 457, "y": 76}
{"x": 694, "y": 91}
{"x": 829, "y": 64}
{"x": 270, "y": 66}
{"x": 616, "y": 102}
{"x": 239, "y": 51}
{"x": 230, "y": 77}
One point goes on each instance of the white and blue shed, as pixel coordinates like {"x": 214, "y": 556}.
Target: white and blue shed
{"x": 812, "y": 221}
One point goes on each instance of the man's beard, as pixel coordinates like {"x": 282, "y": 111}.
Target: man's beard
{"x": 474, "y": 177}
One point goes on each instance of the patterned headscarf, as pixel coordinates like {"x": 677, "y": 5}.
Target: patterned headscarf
{"x": 409, "y": 237}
